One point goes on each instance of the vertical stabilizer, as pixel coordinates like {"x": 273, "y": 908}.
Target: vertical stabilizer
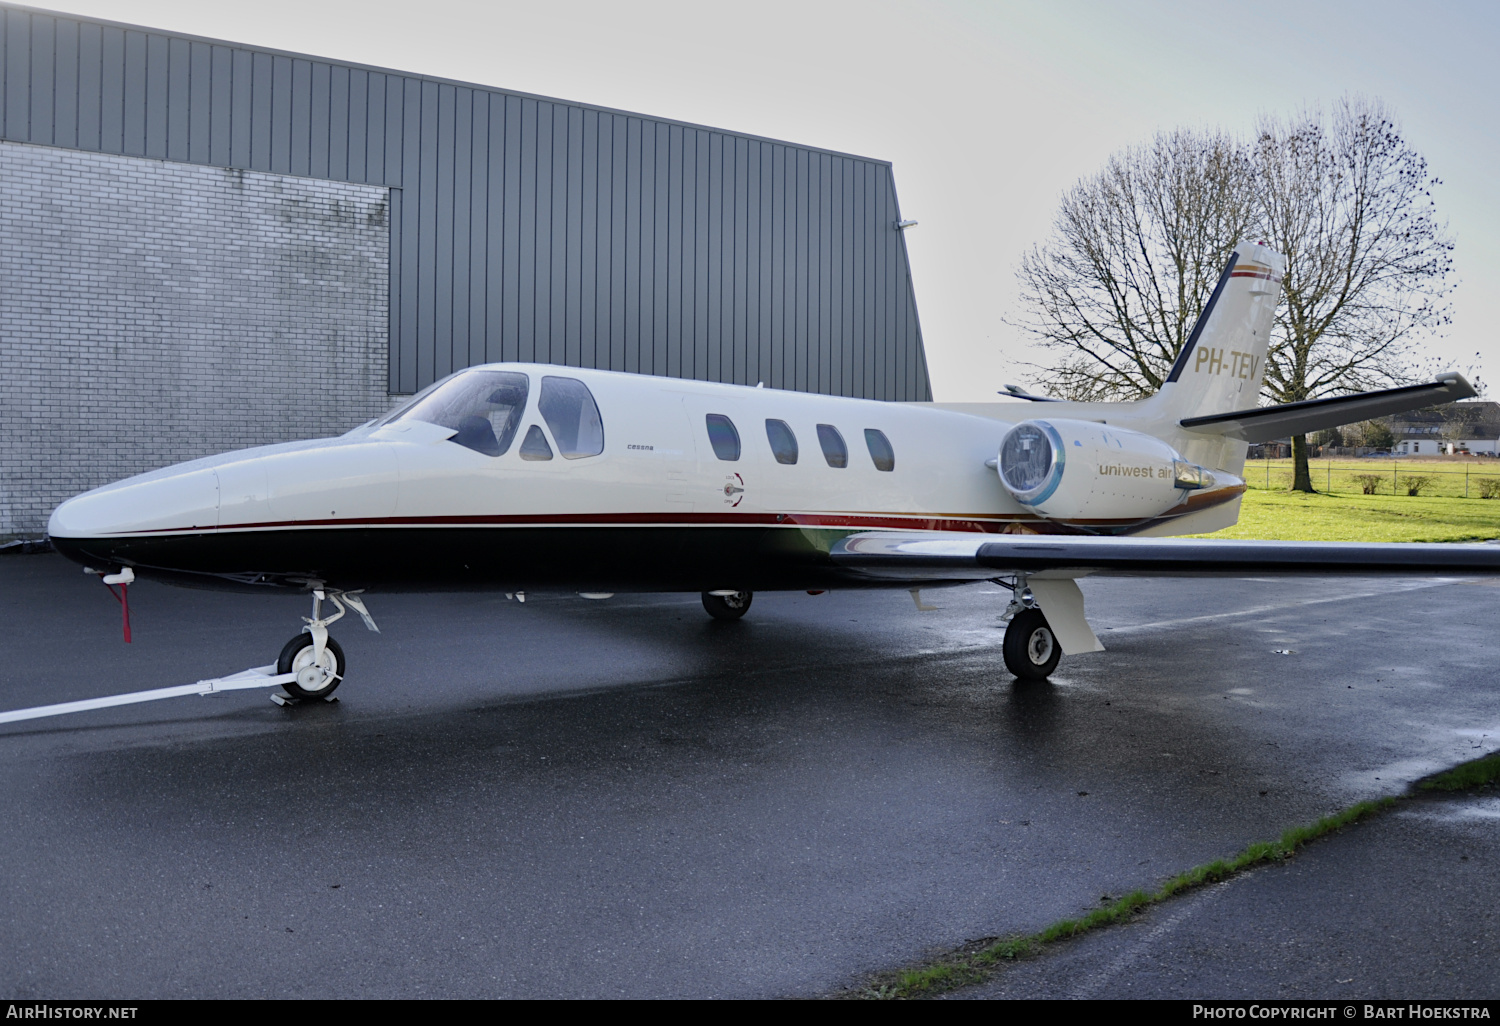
{"x": 1223, "y": 363}
{"x": 1221, "y": 367}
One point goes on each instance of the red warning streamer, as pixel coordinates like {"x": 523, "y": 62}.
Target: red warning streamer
{"x": 123, "y": 597}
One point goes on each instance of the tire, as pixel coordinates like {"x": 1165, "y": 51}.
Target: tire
{"x": 297, "y": 655}
{"x": 727, "y": 607}
{"x": 1031, "y": 650}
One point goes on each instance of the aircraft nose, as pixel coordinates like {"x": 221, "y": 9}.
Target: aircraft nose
{"x": 174, "y": 499}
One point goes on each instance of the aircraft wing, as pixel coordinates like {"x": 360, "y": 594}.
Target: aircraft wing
{"x": 911, "y": 556}
{"x": 1264, "y": 423}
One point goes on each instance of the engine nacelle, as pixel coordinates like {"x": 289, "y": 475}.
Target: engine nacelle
{"x": 1077, "y": 470}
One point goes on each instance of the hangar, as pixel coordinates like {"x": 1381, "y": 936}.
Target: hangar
{"x": 206, "y": 246}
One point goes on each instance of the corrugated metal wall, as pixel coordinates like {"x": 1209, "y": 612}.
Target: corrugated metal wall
{"x": 523, "y": 228}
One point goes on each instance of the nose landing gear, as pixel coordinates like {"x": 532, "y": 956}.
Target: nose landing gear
{"x": 311, "y": 666}
{"x": 316, "y": 676}
{"x": 316, "y": 660}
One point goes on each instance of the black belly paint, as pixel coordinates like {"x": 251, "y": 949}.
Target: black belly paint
{"x": 595, "y": 558}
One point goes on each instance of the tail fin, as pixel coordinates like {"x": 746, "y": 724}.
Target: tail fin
{"x": 1223, "y": 362}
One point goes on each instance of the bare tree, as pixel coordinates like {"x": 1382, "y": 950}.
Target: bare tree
{"x": 1376, "y": 434}
{"x": 1349, "y": 203}
{"x": 1135, "y": 252}
{"x": 1459, "y": 420}
{"x": 1134, "y": 255}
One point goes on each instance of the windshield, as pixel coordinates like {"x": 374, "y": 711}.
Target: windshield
{"x": 484, "y": 407}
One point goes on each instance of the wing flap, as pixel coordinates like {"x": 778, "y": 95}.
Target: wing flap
{"x": 897, "y": 555}
{"x": 1265, "y": 423}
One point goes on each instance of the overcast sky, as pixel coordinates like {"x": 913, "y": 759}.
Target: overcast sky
{"x": 988, "y": 110}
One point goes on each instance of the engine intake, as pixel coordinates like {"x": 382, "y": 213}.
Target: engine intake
{"x": 1032, "y": 458}
{"x": 1075, "y": 470}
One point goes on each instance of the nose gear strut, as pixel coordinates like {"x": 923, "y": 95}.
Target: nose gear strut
{"x": 315, "y": 660}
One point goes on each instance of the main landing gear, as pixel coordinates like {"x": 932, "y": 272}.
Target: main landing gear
{"x": 316, "y": 660}
{"x": 1030, "y": 648}
{"x": 727, "y": 605}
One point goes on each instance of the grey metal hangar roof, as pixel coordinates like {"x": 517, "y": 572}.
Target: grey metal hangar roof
{"x": 522, "y": 228}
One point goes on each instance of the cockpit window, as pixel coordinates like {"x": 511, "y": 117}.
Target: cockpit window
{"x": 484, "y": 407}
{"x": 535, "y": 446}
{"x": 571, "y": 413}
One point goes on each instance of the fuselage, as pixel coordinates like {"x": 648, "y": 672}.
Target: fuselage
{"x": 667, "y": 484}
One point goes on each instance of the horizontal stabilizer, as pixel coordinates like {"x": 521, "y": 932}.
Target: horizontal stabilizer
{"x": 918, "y": 556}
{"x": 1265, "y": 423}
{"x": 1016, "y": 391}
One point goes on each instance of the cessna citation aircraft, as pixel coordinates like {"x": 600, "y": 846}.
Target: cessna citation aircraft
{"x": 511, "y": 477}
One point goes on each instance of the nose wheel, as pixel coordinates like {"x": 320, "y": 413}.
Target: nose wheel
{"x": 1030, "y": 649}
{"x": 316, "y": 659}
{"x": 317, "y": 675}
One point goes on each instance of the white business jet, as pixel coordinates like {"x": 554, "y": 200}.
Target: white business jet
{"x": 509, "y": 477}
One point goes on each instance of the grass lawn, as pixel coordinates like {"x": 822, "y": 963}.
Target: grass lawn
{"x": 1295, "y": 516}
{"x": 1451, "y": 476}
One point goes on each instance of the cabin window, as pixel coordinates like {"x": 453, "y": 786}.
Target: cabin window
{"x": 880, "y": 449}
{"x": 535, "y": 446}
{"x": 834, "y": 449}
{"x": 783, "y": 442}
{"x": 570, "y": 411}
{"x": 723, "y": 437}
{"x": 484, "y": 407}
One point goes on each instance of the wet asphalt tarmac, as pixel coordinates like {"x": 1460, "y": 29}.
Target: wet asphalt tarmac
{"x": 624, "y": 798}
{"x": 1404, "y": 907}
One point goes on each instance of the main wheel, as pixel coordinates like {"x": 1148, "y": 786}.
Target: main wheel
{"x": 727, "y": 607}
{"x": 1031, "y": 649}
{"x": 314, "y": 680}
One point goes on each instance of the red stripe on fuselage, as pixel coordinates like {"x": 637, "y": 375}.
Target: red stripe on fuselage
{"x": 862, "y": 521}
{"x": 979, "y": 523}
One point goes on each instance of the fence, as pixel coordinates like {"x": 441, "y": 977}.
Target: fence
{"x": 1477, "y": 480}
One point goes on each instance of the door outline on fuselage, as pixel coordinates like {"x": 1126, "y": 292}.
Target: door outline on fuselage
{"x": 716, "y": 485}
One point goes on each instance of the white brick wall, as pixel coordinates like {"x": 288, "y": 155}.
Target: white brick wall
{"x": 152, "y": 312}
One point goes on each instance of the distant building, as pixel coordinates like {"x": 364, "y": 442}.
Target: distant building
{"x": 1468, "y": 428}
{"x": 206, "y": 245}
{"x": 1455, "y": 428}
{"x": 1280, "y": 449}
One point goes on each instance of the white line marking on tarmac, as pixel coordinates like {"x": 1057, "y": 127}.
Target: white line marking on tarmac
{"x": 1259, "y": 610}
{"x": 1091, "y": 985}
